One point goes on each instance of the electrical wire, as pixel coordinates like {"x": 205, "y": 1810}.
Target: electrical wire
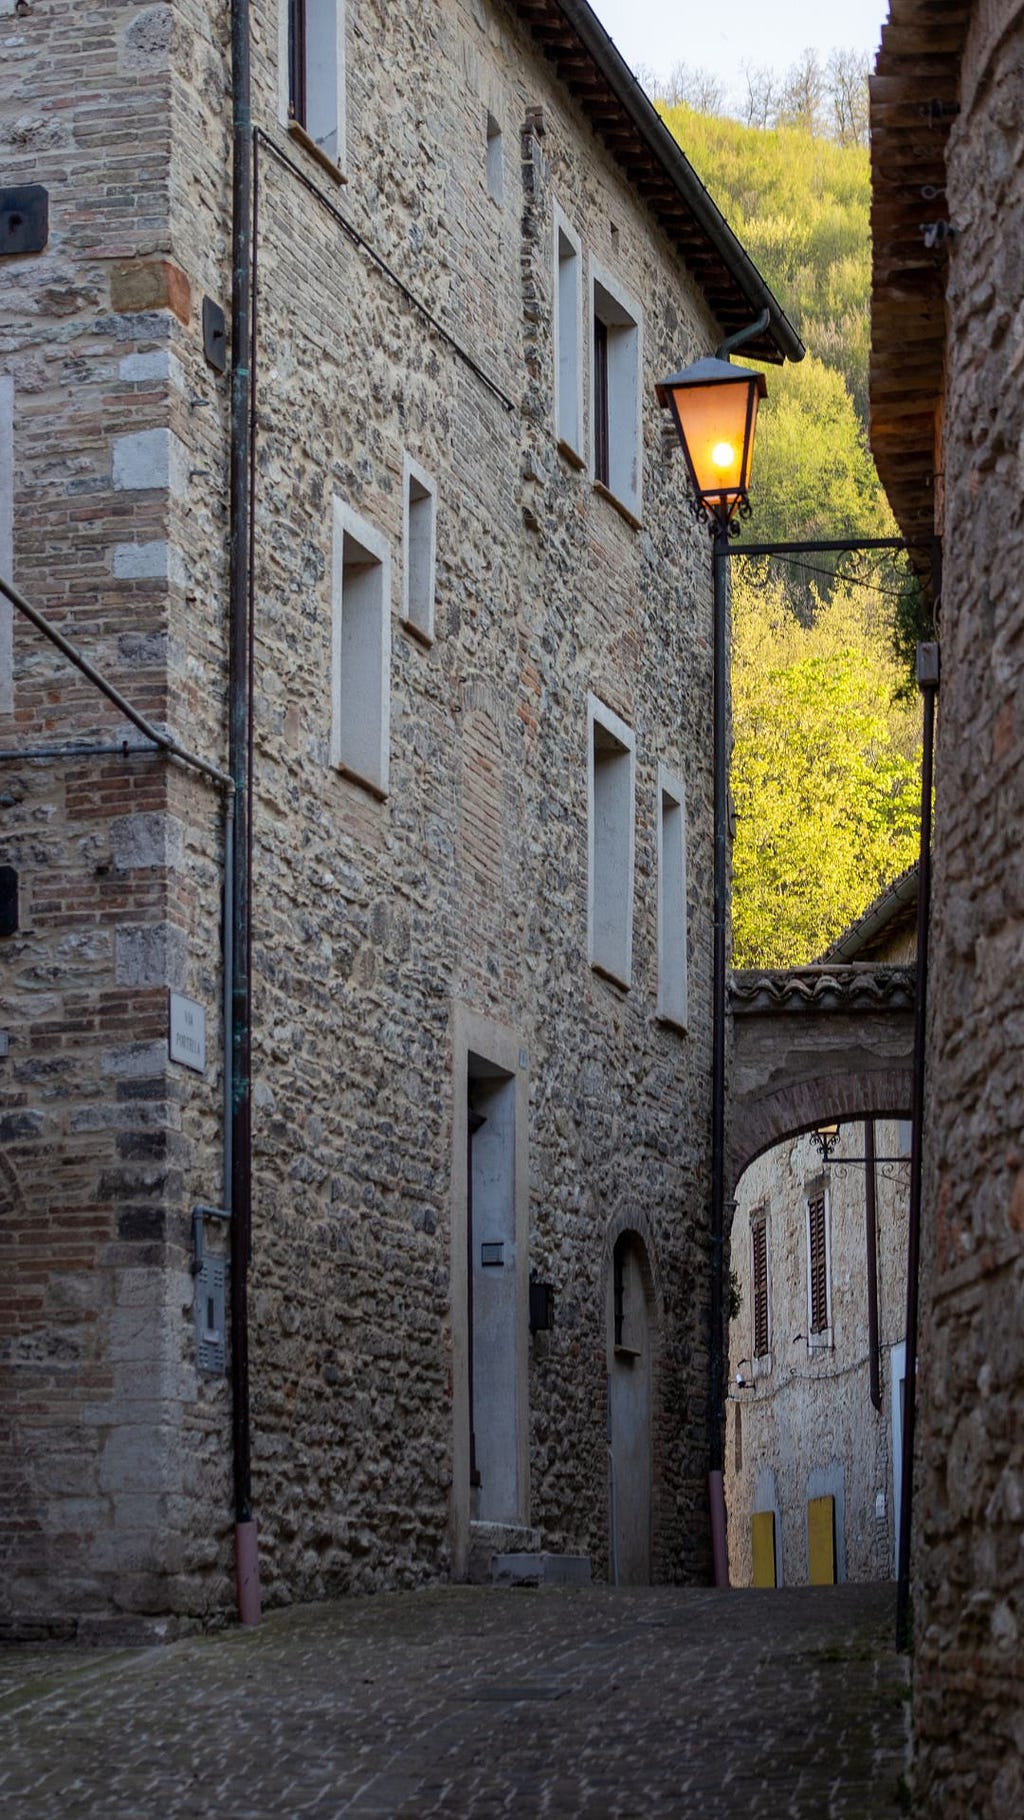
{"x": 852, "y": 581}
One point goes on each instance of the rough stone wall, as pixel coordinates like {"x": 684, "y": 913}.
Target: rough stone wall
{"x": 96, "y": 1161}
{"x": 806, "y": 1426}
{"x": 969, "y": 1496}
{"x": 373, "y": 918}
{"x": 469, "y": 882}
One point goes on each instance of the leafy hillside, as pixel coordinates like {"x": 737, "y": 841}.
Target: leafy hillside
{"x": 800, "y": 206}
{"x": 825, "y": 760}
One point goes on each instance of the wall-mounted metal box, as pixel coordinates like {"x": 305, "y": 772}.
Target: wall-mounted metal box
{"x": 8, "y": 900}
{"x": 211, "y": 1337}
{"x": 24, "y": 219}
{"x": 542, "y": 1307}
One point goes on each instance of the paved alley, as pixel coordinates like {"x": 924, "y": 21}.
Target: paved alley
{"x": 476, "y": 1702}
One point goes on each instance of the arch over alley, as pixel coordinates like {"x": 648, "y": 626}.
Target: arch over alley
{"x": 815, "y": 1044}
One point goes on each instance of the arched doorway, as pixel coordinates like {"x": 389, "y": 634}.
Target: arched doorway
{"x": 631, "y": 1342}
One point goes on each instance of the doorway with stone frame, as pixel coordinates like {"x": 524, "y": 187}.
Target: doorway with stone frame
{"x": 490, "y": 1290}
{"x": 632, "y": 1334}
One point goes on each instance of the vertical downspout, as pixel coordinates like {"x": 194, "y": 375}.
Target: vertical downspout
{"x": 228, "y": 946}
{"x": 246, "y": 1561}
{"x": 871, "y": 1243}
{"x": 716, "y": 1445}
{"x": 928, "y": 679}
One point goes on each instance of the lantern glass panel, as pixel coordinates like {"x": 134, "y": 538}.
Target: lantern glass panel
{"x": 713, "y": 419}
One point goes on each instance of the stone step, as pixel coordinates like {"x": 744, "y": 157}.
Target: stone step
{"x": 489, "y": 1539}
{"x": 540, "y": 1569}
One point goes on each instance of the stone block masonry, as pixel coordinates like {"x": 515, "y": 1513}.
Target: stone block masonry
{"x": 969, "y": 1497}
{"x": 384, "y": 923}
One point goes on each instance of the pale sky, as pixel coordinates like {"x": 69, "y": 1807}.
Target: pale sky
{"x": 765, "y": 33}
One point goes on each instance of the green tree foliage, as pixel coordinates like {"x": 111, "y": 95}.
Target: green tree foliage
{"x": 799, "y": 203}
{"x": 825, "y": 773}
{"x": 825, "y": 764}
{"x": 813, "y": 474}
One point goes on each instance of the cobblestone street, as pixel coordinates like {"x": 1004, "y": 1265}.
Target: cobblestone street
{"x": 472, "y": 1702}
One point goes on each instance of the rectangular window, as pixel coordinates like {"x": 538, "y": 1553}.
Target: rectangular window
{"x": 361, "y": 650}
{"x": 611, "y": 842}
{"x": 6, "y": 541}
{"x": 315, "y": 65}
{"x": 817, "y": 1265}
{"x": 759, "y": 1282}
{"x": 602, "y": 471}
{"x": 419, "y": 549}
{"x": 567, "y": 326}
{"x": 615, "y": 392}
{"x": 495, "y": 162}
{"x": 672, "y": 994}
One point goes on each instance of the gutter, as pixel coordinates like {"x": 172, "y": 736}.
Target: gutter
{"x": 659, "y": 141}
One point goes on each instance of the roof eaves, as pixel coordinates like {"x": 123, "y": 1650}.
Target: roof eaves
{"x": 780, "y": 340}
{"x": 878, "y": 915}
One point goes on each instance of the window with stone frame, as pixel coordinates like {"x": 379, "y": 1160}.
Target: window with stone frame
{"x": 759, "y": 1284}
{"x": 671, "y": 825}
{"x": 568, "y": 325}
{"x": 6, "y": 541}
{"x": 419, "y": 549}
{"x": 615, "y": 392}
{"x": 360, "y": 650}
{"x": 817, "y": 1264}
{"x": 611, "y": 842}
{"x": 315, "y": 72}
{"x": 495, "y": 160}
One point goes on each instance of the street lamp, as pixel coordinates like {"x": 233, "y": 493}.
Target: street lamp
{"x": 827, "y": 1137}
{"x": 714, "y": 407}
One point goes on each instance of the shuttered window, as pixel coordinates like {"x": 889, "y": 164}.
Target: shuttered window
{"x": 817, "y": 1263}
{"x": 759, "y": 1238}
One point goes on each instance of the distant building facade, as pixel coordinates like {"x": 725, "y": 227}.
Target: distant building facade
{"x": 481, "y": 808}
{"x": 947, "y": 420}
{"x": 816, "y": 1347}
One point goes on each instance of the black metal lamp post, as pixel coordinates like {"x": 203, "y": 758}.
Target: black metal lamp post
{"x": 714, "y": 406}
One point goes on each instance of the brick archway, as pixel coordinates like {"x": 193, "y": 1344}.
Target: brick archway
{"x": 812, "y": 1045}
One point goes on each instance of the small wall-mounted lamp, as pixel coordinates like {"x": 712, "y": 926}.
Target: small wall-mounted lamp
{"x": 826, "y": 1137}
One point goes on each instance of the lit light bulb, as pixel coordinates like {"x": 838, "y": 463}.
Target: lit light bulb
{"x": 723, "y": 455}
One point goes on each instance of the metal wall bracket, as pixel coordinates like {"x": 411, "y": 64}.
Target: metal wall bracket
{"x": 24, "y": 219}
{"x": 8, "y": 900}
{"x": 215, "y": 335}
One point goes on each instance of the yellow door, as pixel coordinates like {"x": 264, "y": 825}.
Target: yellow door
{"x": 762, "y": 1532}
{"x": 821, "y": 1541}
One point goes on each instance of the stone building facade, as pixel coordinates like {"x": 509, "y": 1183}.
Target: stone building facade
{"x": 947, "y": 427}
{"x": 816, "y": 1346}
{"x": 806, "y": 1421}
{"x": 481, "y": 807}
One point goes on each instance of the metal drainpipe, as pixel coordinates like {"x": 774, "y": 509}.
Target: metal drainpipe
{"x": 928, "y": 679}
{"x": 716, "y": 1447}
{"x": 871, "y": 1248}
{"x": 239, "y": 715}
